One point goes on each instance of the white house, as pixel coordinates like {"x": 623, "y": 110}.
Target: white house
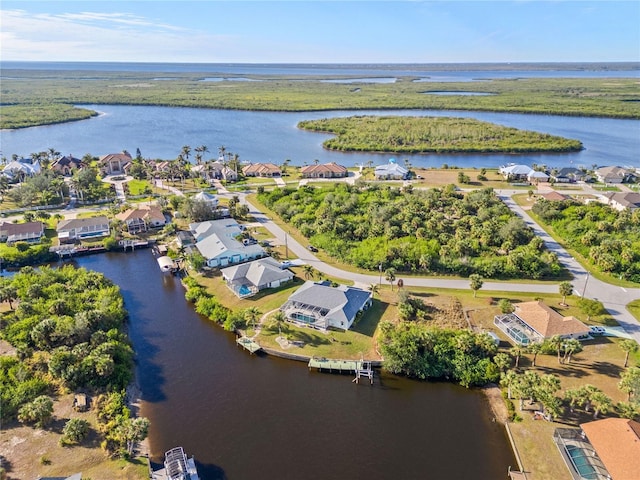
{"x": 82, "y": 228}
{"x": 391, "y": 171}
{"x": 536, "y": 176}
{"x": 217, "y": 241}
{"x": 613, "y": 174}
{"x": 622, "y": 200}
{"x": 207, "y": 198}
{"x": 249, "y": 278}
{"x": 318, "y": 305}
{"x": 20, "y": 169}
{"x": 516, "y": 172}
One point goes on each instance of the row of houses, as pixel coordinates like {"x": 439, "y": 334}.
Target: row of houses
{"x": 609, "y": 175}
{"x": 617, "y": 200}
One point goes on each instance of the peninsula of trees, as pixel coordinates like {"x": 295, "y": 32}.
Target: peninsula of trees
{"x": 401, "y": 134}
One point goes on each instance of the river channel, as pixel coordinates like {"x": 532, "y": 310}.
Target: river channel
{"x": 254, "y": 416}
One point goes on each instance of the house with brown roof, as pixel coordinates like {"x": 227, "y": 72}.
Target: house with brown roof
{"x": 622, "y": 200}
{"x": 534, "y": 322}
{"x": 607, "y": 449}
{"x": 66, "y": 165}
{"x": 142, "y": 218}
{"x": 261, "y": 170}
{"x": 554, "y": 196}
{"x": 115, "y": 163}
{"x": 325, "y": 170}
{"x": 31, "y": 232}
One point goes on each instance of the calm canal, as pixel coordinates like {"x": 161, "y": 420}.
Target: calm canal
{"x": 249, "y": 417}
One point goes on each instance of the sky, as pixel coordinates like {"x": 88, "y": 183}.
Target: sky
{"x": 320, "y": 31}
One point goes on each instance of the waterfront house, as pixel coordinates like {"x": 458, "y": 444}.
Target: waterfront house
{"x": 536, "y": 176}
{"x": 570, "y": 175}
{"x": 534, "y": 322}
{"x": 143, "y": 217}
{"x": 614, "y": 175}
{"x": 249, "y": 278}
{"x": 319, "y": 305}
{"x": 115, "y": 163}
{"x": 516, "y": 173}
{"x": 30, "y": 232}
{"x": 18, "y": 170}
{"x": 66, "y": 165}
{"x": 220, "y": 243}
{"x": 215, "y": 171}
{"x": 76, "y": 229}
{"x": 325, "y": 170}
{"x": 622, "y": 200}
{"x": 391, "y": 171}
{"x": 261, "y": 170}
{"x": 602, "y": 449}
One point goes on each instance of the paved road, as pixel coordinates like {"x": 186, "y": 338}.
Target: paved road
{"x": 613, "y": 298}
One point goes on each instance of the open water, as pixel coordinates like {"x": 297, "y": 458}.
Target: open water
{"x": 160, "y": 132}
{"x": 253, "y": 416}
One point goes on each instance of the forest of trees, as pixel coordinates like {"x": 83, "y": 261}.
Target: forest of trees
{"x": 67, "y": 326}
{"x": 402, "y": 134}
{"x": 434, "y": 231}
{"x": 609, "y": 239}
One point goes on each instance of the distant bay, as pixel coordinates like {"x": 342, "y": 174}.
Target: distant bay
{"x": 160, "y": 132}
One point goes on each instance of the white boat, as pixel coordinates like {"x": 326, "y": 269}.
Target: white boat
{"x": 167, "y": 264}
{"x": 176, "y": 467}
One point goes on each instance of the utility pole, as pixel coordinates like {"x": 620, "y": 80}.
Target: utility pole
{"x": 380, "y": 281}
{"x": 585, "y": 285}
{"x": 286, "y": 248}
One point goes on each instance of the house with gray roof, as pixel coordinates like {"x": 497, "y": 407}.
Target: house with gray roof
{"x": 249, "y": 278}
{"x": 391, "y": 171}
{"x": 75, "y": 229}
{"x": 219, "y": 242}
{"x": 319, "y": 305}
{"x": 513, "y": 172}
{"x": 614, "y": 174}
{"x": 570, "y": 175}
{"x": 622, "y": 200}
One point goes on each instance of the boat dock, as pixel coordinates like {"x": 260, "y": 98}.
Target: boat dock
{"x": 361, "y": 368}
{"x": 248, "y": 344}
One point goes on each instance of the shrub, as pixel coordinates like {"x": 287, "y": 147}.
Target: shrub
{"x": 74, "y": 431}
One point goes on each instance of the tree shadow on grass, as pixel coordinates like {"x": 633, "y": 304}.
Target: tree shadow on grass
{"x": 311, "y": 339}
{"x": 564, "y": 370}
{"x": 607, "y": 368}
{"x": 368, "y": 322}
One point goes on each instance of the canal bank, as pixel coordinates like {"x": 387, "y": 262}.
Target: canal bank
{"x": 242, "y": 415}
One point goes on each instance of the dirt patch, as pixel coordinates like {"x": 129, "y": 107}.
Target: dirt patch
{"x": 30, "y": 453}
{"x": 493, "y": 395}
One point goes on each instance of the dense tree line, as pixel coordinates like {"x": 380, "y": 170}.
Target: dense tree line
{"x": 437, "y": 231}
{"x": 419, "y": 351}
{"x": 609, "y": 239}
{"x": 67, "y": 327}
{"x": 403, "y": 134}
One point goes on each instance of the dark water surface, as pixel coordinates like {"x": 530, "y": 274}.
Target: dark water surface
{"x": 247, "y": 417}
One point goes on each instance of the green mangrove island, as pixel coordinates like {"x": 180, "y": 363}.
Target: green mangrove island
{"x": 45, "y": 90}
{"x": 432, "y": 135}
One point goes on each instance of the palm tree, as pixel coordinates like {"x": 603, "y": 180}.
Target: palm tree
{"x": 601, "y": 403}
{"x": 250, "y": 315}
{"x": 628, "y": 346}
{"x": 566, "y": 289}
{"x": 516, "y": 351}
{"x": 373, "y": 288}
{"x": 186, "y": 152}
{"x": 534, "y": 348}
{"x": 509, "y": 379}
{"x": 502, "y": 361}
{"x": 390, "y": 276}
{"x": 570, "y": 347}
{"x": 556, "y": 342}
{"x": 279, "y": 318}
{"x": 221, "y": 150}
{"x": 309, "y": 271}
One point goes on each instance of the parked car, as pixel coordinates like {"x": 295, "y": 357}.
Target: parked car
{"x": 594, "y": 330}
{"x": 311, "y": 248}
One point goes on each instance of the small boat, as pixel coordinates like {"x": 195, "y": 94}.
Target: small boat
{"x": 167, "y": 264}
{"x": 176, "y": 467}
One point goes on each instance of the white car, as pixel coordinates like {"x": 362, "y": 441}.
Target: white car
{"x": 594, "y": 330}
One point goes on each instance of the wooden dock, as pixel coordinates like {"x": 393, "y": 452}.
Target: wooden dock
{"x": 248, "y": 344}
{"x": 361, "y": 368}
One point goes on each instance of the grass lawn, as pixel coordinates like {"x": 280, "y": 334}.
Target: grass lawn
{"x": 440, "y": 177}
{"x": 634, "y": 308}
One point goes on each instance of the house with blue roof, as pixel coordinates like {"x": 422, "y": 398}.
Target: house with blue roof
{"x": 220, "y": 243}
{"x": 320, "y": 306}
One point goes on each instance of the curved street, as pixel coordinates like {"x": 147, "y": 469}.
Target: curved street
{"x": 613, "y": 298}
